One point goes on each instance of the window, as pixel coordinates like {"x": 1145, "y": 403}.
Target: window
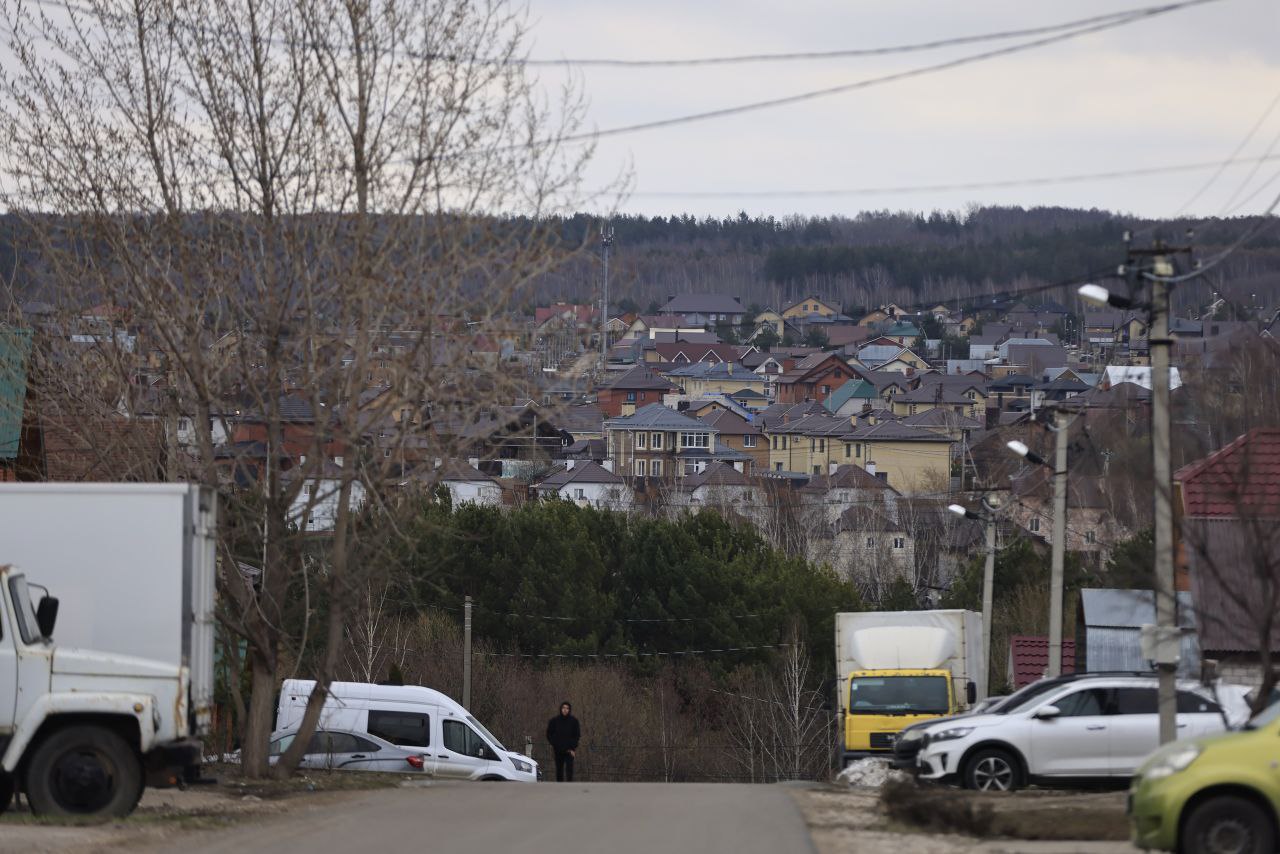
{"x": 463, "y": 740}
{"x": 387, "y": 453}
{"x": 656, "y": 442}
{"x": 329, "y": 743}
{"x": 639, "y": 468}
{"x": 1135, "y": 701}
{"x": 848, "y": 450}
{"x": 1091, "y": 537}
{"x": 695, "y": 440}
{"x": 1090, "y": 701}
{"x": 1034, "y": 525}
{"x": 579, "y": 493}
{"x": 857, "y": 452}
{"x": 642, "y": 440}
{"x": 871, "y": 542}
{"x": 777, "y": 466}
{"x": 784, "y": 443}
{"x": 748, "y": 441}
{"x": 306, "y": 489}
{"x": 817, "y": 469}
{"x": 822, "y": 445}
{"x": 899, "y": 542}
{"x": 408, "y": 728}
{"x": 281, "y": 744}
{"x": 655, "y": 468}
{"x": 813, "y": 443}
{"x": 775, "y": 443}
{"x": 826, "y": 389}
{"x": 631, "y": 397}
{"x": 1194, "y": 704}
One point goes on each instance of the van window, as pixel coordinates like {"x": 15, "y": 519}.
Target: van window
{"x": 411, "y": 728}
{"x": 1195, "y": 704}
{"x": 281, "y": 744}
{"x": 1135, "y": 701}
{"x": 463, "y": 740}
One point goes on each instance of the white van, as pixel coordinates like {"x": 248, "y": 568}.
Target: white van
{"x": 454, "y": 745}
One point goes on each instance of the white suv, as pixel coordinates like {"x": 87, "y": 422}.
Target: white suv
{"x": 1086, "y": 726}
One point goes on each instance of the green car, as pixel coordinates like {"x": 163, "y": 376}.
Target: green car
{"x": 1214, "y": 794}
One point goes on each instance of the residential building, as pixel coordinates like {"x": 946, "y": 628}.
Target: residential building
{"x": 810, "y": 307}
{"x": 706, "y": 309}
{"x": 854, "y": 397}
{"x": 468, "y": 485}
{"x": 741, "y": 435}
{"x": 657, "y": 442}
{"x": 814, "y": 378}
{"x": 711, "y": 379}
{"x": 586, "y": 484}
{"x": 636, "y": 388}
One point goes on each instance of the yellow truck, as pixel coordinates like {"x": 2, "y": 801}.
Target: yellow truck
{"x": 896, "y": 668}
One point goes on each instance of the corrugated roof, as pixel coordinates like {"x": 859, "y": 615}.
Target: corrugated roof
{"x": 858, "y": 388}
{"x": 15, "y": 349}
{"x": 1029, "y": 658}
{"x": 657, "y": 416}
{"x": 1240, "y": 479}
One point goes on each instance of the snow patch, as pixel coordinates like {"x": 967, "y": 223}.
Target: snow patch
{"x": 869, "y": 773}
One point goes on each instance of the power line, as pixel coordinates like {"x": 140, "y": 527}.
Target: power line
{"x": 723, "y": 112}
{"x": 840, "y": 53}
{"x": 969, "y": 185}
{"x": 1232, "y": 158}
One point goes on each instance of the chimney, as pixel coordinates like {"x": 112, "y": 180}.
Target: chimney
{"x": 607, "y": 465}
{"x": 474, "y": 462}
{"x": 831, "y": 468}
{"x": 730, "y": 364}
{"x": 568, "y": 465}
{"x": 870, "y": 467}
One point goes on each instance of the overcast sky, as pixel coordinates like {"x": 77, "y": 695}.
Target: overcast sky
{"x": 1182, "y": 88}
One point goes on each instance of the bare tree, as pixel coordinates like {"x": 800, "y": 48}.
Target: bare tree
{"x": 281, "y": 212}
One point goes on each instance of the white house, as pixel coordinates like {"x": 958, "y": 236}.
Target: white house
{"x": 586, "y": 484}
{"x": 315, "y": 507}
{"x": 468, "y": 485}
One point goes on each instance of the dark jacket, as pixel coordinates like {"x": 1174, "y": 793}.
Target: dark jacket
{"x": 563, "y": 732}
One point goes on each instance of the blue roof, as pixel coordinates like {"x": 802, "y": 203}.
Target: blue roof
{"x": 853, "y": 388}
{"x": 877, "y": 354}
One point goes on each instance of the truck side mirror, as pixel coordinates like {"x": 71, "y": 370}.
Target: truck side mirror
{"x": 47, "y": 615}
{"x": 971, "y": 693}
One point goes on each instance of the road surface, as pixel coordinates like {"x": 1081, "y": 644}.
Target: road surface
{"x": 576, "y": 818}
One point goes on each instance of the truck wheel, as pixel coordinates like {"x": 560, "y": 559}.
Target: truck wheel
{"x": 992, "y": 770}
{"x": 1227, "y": 825}
{"x": 7, "y": 787}
{"x": 84, "y": 770}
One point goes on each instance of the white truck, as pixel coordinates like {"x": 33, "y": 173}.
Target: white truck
{"x": 897, "y": 668}
{"x": 120, "y": 699}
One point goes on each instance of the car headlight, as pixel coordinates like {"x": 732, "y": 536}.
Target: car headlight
{"x": 521, "y": 765}
{"x": 1168, "y": 764}
{"x": 949, "y": 734}
{"x": 910, "y": 735}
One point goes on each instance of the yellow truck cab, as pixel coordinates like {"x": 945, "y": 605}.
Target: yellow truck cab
{"x": 897, "y": 668}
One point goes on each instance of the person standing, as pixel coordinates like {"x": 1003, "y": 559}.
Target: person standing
{"x": 563, "y": 732}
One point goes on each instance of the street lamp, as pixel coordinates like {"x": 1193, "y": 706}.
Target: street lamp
{"x": 1059, "y": 531}
{"x": 991, "y": 504}
{"x": 1099, "y": 296}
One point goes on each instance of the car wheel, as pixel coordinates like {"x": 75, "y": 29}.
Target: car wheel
{"x": 992, "y": 770}
{"x": 7, "y": 787}
{"x": 84, "y": 770}
{"x": 1228, "y": 825}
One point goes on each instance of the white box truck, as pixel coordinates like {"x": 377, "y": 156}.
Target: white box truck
{"x": 121, "y": 697}
{"x": 896, "y": 668}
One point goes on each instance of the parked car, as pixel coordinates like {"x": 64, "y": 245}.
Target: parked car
{"x": 907, "y": 743}
{"x": 339, "y": 750}
{"x": 453, "y": 743}
{"x": 1078, "y": 727}
{"x": 1213, "y": 793}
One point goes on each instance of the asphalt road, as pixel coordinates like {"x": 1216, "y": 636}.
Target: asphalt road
{"x": 578, "y": 818}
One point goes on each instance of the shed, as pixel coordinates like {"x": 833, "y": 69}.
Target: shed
{"x": 1109, "y": 631}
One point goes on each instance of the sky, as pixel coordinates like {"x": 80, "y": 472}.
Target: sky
{"x": 1182, "y": 88}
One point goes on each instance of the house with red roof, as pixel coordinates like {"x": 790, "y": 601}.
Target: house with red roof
{"x": 1228, "y": 509}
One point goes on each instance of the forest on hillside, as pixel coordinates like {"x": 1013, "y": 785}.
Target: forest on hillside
{"x": 880, "y": 256}
{"x": 863, "y": 261}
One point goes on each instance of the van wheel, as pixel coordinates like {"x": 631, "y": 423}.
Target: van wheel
{"x": 1228, "y": 825}
{"x": 992, "y": 770}
{"x": 84, "y": 770}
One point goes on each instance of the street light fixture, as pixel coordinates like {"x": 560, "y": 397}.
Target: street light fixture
{"x": 991, "y": 504}
{"x": 1100, "y": 296}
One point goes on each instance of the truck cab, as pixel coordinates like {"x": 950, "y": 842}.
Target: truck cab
{"x": 880, "y": 703}
{"x": 82, "y": 731}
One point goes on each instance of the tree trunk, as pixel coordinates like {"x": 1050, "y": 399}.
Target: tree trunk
{"x": 260, "y": 720}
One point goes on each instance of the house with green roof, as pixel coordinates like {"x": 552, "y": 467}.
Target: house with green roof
{"x": 853, "y": 397}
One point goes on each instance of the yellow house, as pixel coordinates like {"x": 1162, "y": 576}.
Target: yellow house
{"x": 772, "y": 319}
{"x": 809, "y": 306}
{"x": 969, "y": 402}
{"x": 706, "y": 379}
{"x": 910, "y": 459}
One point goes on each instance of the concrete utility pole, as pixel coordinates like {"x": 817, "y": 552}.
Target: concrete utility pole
{"x": 1166, "y": 595}
{"x": 606, "y": 243}
{"x": 991, "y": 505}
{"x": 1060, "y": 434}
{"x": 466, "y": 653}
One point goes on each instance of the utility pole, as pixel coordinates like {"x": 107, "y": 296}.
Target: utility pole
{"x": 988, "y": 579}
{"x": 1157, "y": 268}
{"x": 1060, "y": 435}
{"x": 466, "y": 653}
{"x": 606, "y": 243}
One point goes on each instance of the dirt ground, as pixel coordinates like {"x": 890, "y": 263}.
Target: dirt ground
{"x": 843, "y": 820}
{"x": 164, "y": 814}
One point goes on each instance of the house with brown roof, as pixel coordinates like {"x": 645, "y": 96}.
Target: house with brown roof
{"x": 814, "y": 378}
{"x": 808, "y": 307}
{"x": 1091, "y": 527}
{"x": 586, "y": 484}
{"x": 1228, "y": 506}
{"x": 634, "y": 389}
{"x": 741, "y": 435}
